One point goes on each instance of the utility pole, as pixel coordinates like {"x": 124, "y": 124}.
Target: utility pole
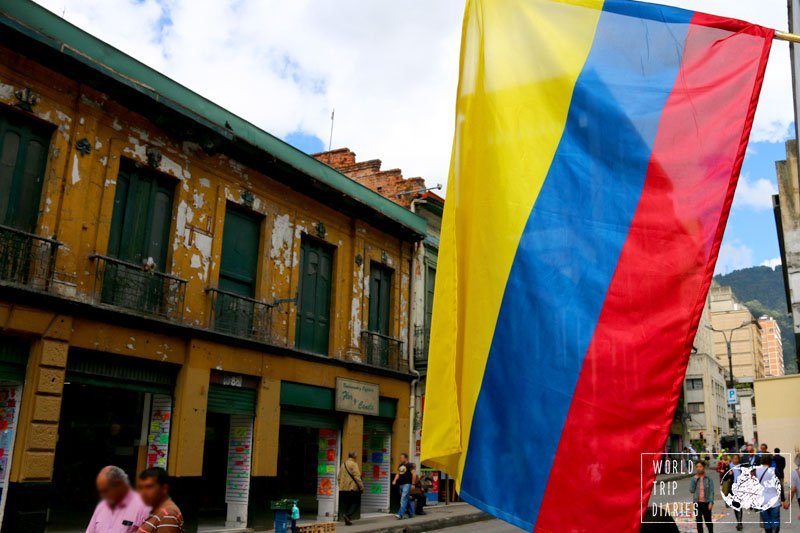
{"x": 727, "y": 334}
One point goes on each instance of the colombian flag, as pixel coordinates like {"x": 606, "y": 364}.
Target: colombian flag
{"x": 596, "y": 153}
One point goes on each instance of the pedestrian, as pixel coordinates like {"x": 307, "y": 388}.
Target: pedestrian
{"x": 350, "y": 487}
{"x": 779, "y": 464}
{"x": 418, "y": 493}
{"x": 165, "y": 516}
{"x": 762, "y": 451}
{"x": 770, "y": 518}
{"x": 703, "y": 490}
{"x": 403, "y": 480}
{"x": 749, "y": 456}
{"x": 120, "y": 510}
{"x": 735, "y": 472}
{"x": 794, "y": 491}
{"x": 722, "y": 468}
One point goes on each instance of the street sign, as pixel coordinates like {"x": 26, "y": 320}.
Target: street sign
{"x": 733, "y": 398}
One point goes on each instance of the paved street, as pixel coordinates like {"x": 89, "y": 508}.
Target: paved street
{"x": 724, "y": 520}
{"x": 490, "y": 526}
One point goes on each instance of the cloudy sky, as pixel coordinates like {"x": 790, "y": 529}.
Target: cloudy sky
{"x": 389, "y": 69}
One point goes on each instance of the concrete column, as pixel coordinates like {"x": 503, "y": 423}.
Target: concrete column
{"x": 353, "y": 436}
{"x": 35, "y": 445}
{"x": 266, "y": 428}
{"x": 189, "y": 421}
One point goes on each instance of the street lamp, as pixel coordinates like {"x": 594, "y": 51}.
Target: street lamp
{"x": 727, "y": 334}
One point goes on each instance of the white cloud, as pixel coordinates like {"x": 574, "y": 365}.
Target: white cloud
{"x": 754, "y": 194}
{"x": 733, "y": 256}
{"x": 772, "y": 263}
{"x": 389, "y": 68}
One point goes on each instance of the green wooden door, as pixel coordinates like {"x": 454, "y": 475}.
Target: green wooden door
{"x": 139, "y": 235}
{"x": 314, "y": 298}
{"x": 238, "y": 272}
{"x": 380, "y": 291}
{"x": 23, "y": 158}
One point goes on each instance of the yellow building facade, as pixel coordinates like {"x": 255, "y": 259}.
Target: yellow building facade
{"x": 778, "y": 421}
{"x": 180, "y": 289}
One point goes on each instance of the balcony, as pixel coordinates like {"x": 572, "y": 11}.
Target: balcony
{"x": 27, "y": 259}
{"x": 139, "y": 288}
{"x": 383, "y": 351}
{"x": 422, "y": 339}
{"x": 240, "y": 316}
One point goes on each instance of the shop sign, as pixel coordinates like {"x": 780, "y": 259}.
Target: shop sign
{"x": 357, "y": 396}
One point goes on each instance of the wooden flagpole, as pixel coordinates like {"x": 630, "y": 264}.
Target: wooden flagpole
{"x": 786, "y": 36}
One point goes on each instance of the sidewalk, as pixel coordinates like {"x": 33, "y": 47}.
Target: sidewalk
{"x": 436, "y": 517}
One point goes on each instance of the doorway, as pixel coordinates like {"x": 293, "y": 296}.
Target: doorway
{"x": 99, "y": 426}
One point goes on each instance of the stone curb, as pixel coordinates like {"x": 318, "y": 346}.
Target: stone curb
{"x": 434, "y": 524}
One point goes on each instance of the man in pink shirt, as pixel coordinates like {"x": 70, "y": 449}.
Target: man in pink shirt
{"x": 120, "y": 509}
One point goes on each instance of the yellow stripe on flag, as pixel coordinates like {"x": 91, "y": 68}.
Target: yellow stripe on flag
{"x": 520, "y": 60}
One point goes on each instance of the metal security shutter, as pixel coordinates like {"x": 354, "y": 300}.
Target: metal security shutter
{"x": 307, "y": 419}
{"x": 377, "y": 465}
{"x": 131, "y": 373}
{"x": 13, "y": 358}
{"x": 231, "y": 400}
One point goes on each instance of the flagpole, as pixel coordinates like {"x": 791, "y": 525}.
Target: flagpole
{"x": 786, "y": 36}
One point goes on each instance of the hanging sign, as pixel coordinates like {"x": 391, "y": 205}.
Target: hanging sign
{"x": 357, "y": 396}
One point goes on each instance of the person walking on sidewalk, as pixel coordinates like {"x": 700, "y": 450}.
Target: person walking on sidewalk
{"x": 736, "y": 470}
{"x": 770, "y": 518}
{"x": 120, "y": 508}
{"x": 403, "y": 480}
{"x": 154, "y": 489}
{"x": 703, "y": 490}
{"x": 350, "y": 487}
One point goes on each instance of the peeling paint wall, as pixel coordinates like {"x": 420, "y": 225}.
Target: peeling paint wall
{"x": 78, "y": 203}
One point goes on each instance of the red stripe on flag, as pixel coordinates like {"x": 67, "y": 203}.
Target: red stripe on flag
{"x": 630, "y": 382}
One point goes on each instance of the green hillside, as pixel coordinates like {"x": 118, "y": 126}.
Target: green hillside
{"x": 761, "y": 289}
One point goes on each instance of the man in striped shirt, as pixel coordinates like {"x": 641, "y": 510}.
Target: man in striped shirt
{"x": 153, "y": 487}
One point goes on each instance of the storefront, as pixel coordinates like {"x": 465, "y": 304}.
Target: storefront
{"x": 228, "y": 449}
{"x": 13, "y": 360}
{"x": 309, "y": 448}
{"x": 115, "y": 411}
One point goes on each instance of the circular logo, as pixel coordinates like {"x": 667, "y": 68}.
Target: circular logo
{"x": 748, "y": 492}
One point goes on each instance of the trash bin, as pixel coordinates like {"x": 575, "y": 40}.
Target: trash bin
{"x": 283, "y": 509}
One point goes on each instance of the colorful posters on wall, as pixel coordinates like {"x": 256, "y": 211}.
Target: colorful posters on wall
{"x": 240, "y": 444}
{"x": 10, "y": 395}
{"x": 158, "y": 433}
{"x": 376, "y": 461}
{"x": 326, "y": 464}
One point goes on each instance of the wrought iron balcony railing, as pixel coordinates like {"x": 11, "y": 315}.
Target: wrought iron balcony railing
{"x": 422, "y": 337}
{"x": 27, "y": 259}
{"x": 383, "y": 351}
{"x": 139, "y": 288}
{"x": 240, "y": 316}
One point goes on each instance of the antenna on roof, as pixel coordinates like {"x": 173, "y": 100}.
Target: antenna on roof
{"x": 330, "y": 139}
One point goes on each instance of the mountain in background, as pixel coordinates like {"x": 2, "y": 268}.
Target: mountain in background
{"x": 761, "y": 290}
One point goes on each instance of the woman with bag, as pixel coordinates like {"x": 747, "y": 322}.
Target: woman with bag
{"x": 350, "y": 487}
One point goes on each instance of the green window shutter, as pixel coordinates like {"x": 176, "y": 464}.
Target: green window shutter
{"x": 380, "y": 298}
{"x": 313, "y": 313}
{"x": 231, "y": 400}
{"x": 299, "y": 395}
{"x": 308, "y": 419}
{"x": 381, "y": 425}
{"x": 23, "y": 159}
{"x": 142, "y": 215}
{"x": 13, "y": 358}
{"x": 387, "y": 408}
{"x": 239, "y": 264}
{"x": 114, "y": 371}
